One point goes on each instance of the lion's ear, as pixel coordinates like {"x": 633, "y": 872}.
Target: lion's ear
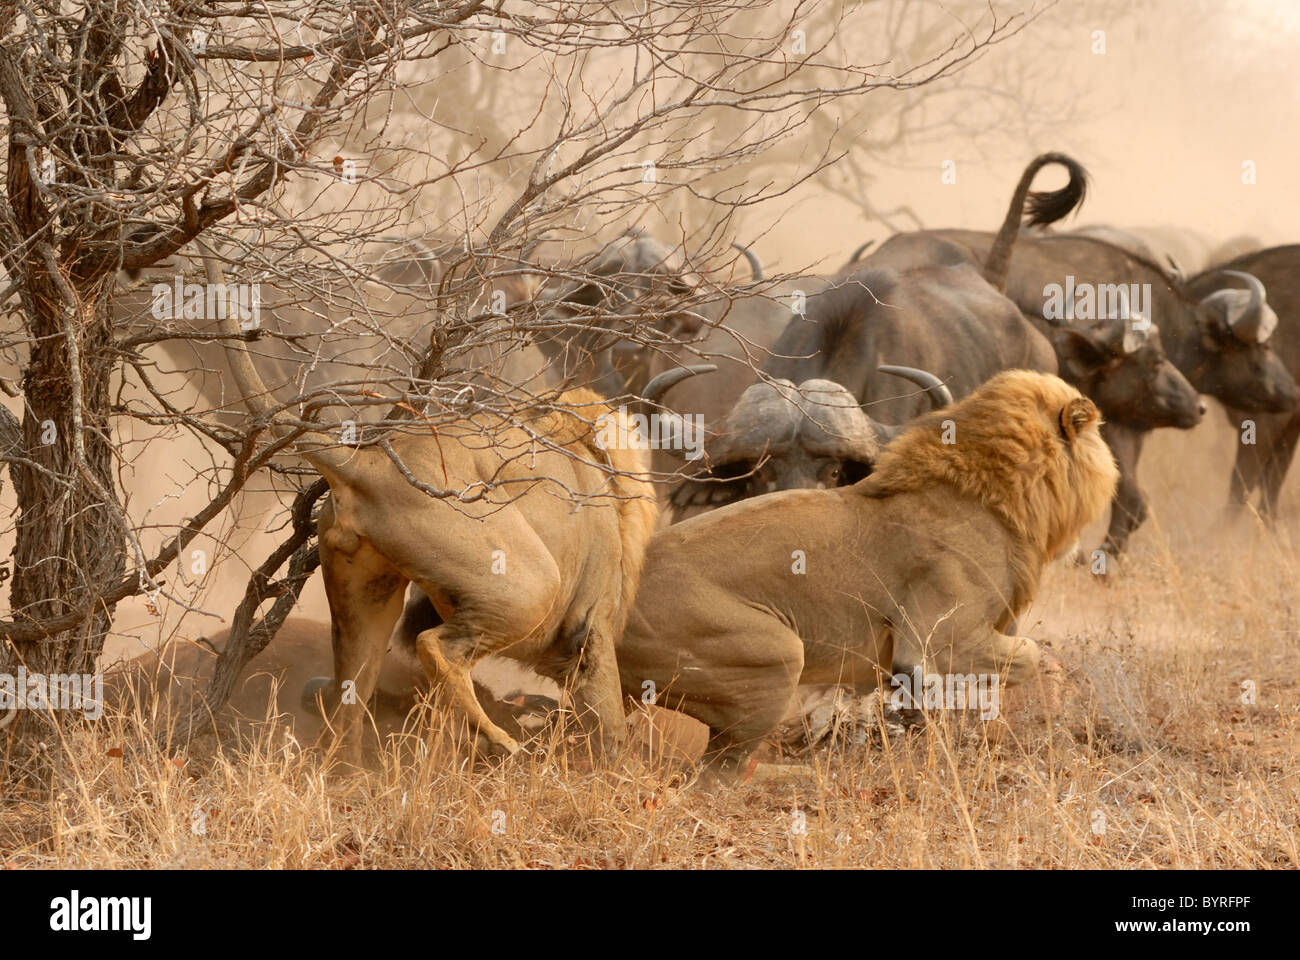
{"x": 1076, "y": 415}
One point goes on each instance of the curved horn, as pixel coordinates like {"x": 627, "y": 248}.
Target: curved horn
{"x": 940, "y": 395}
{"x": 1248, "y": 324}
{"x": 755, "y": 264}
{"x": 857, "y": 254}
{"x": 657, "y": 387}
{"x": 1175, "y": 267}
{"x": 683, "y": 427}
{"x": 9, "y": 717}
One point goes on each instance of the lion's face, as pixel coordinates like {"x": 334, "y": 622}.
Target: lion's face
{"x": 1025, "y": 444}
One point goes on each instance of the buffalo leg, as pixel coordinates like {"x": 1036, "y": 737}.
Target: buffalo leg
{"x": 1276, "y": 466}
{"x": 1129, "y": 508}
{"x": 1249, "y": 462}
{"x": 1263, "y": 464}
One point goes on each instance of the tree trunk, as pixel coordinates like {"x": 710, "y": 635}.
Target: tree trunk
{"x": 69, "y": 541}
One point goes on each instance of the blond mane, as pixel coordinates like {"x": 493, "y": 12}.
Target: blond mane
{"x": 575, "y": 426}
{"x": 1026, "y": 446}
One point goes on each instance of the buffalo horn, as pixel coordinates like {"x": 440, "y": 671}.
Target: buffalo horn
{"x": 940, "y": 395}
{"x": 656, "y": 388}
{"x": 755, "y": 264}
{"x": 1257, "y": 321}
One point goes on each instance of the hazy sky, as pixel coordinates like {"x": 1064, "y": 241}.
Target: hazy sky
{"x": 1169, "y": 113}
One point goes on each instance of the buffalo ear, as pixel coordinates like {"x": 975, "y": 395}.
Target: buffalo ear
{"x": 1080, "y": 355}
{"x": 1076, "y": 415}
{"x": 1214, "y": 322}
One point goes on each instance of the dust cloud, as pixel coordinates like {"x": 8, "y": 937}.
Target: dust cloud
{"x": 1185, "y": 101}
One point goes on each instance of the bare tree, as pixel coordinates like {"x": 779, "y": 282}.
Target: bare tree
{"x": 297, "y": 140}
{"x": 984, "y": 100}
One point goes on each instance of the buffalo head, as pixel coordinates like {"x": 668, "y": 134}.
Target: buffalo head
{"x": 1120, "y": 363}
{"x": 783, "y": 436}
{"x": 632, "y": 281}
{"x": 627, "y": 363}
{"x": 1233, "y": 360}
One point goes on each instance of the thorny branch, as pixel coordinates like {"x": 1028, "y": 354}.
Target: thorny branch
{"x": 424, "y": 204}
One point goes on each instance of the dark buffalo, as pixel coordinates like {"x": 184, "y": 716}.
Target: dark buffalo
{"x": 636, "y": 283}
{"x": 1263, "y": 464}
{"x": 734, "y": 330}
{"x": 1212, "y": 333}
{"x": 944, "y": 319}
{"x": 1144, "y": 359}
{"x": 801, "y": 426}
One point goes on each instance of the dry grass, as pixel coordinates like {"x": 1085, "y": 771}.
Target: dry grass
{"x": 1153, "y": 761}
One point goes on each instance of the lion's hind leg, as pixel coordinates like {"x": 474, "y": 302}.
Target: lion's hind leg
{"x": 583, "y": 660}
{"x": 365, "y": 598}
{"x": 484, "y": 616}
{"x": 450, "y": 676}
{"x": 744, "y": 703}
{"x": 489, "y": 598}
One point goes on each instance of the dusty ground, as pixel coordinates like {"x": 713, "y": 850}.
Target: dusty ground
{"x": 1176, "y": 745}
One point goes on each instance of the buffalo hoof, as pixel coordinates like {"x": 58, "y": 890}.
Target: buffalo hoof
{"x": 1099, "y": 565}
{"x": 313, "y": 694}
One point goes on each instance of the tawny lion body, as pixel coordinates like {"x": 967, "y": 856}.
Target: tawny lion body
{"x": 925, "y": 562}
{"x": 528, "y": 540}
{"x": 542, "y": 569}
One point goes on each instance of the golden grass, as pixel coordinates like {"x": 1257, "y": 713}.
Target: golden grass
{"x": 1153, "y": 761}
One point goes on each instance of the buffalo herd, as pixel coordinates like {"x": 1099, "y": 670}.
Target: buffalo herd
{"x": 1040, "y": 358}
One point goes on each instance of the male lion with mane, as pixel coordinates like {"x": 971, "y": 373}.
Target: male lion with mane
{"x": 925, "y": 562}
{"x": 481, "y": 514}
